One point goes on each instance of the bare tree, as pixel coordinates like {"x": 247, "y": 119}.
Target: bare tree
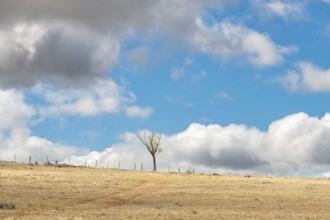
{"x": 152, "y": 143}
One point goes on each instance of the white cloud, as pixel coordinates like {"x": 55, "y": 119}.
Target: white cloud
{"x": 223, "y": 95}
{"x": 22, "y": 146}
{"x": 326, "y": 1}
{"x": 128, "y": 152}
{"x": 178, "y": 74}
{"x": 104, "y": 96}
{"x": 15, "y": 138}
{"x": 279, "y": 8}
{"x": 138, "y": 112}
{"x": 227, "y": 40}
{"x": 308, "y": 78}
{"x": 296, "y": 145}
{"x": 215, "y": 146}
{"x": 14, "y": 112}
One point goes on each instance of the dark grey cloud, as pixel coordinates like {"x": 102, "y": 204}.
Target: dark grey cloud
{"x": 96, "y": 14}
{"x": 230, "y": 158}
{"x": 57, "y": 53}
{"x": 75, "y": 41}
{"x": 239, "y": 159}
{"x": 67, "y": 46}
{"x": 322, "y": 148}
{"x": 108, "y": 15}
{"x": 60, "y": 54}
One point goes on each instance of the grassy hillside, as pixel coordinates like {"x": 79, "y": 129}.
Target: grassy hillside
{"x": 40, "y": 192}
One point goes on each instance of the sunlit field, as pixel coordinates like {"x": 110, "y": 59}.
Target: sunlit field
{"x": 48, "y": 192}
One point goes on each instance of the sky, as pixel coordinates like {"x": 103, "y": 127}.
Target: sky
{"x": 234, "y": 87}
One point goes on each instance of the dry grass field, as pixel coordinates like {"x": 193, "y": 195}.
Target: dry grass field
{"x": 41, "y": 192}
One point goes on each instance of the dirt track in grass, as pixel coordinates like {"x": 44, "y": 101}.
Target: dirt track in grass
{"x": 40, "y": 192}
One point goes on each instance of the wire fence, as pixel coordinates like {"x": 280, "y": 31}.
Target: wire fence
{"x": 95, "y": 164}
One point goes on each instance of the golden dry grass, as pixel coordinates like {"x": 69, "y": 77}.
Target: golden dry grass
{"x": 40, "y": 192}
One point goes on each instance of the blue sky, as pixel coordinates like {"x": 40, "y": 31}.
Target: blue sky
{"x": 217, "y": 78}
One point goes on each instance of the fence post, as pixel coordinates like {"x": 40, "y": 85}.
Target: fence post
{"x": 134, "y": 166}
{"x": 141, "y": 166}
{"x": 30, "y": 159}
{"x": 96, "y": 164}
{"x": 119, "y": 165}
{"x": 15, "y": 158}
{"x": 108, "y": 164}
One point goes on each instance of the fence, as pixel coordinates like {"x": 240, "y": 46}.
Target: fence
{"x": 96, "y": 164}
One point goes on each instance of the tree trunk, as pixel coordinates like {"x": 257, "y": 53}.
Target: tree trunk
{"x": 154, "y": 160}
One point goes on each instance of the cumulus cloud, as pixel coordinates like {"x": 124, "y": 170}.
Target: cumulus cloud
{"x": 299, "y": 139}
{"x": 227, "y": 40}
{"x": 13, "y": 110}
{"x": 15, "y": 137}
{"x": 308, "y": 78}
{"x": 279, "y": 8}
{"x": 205, "y": 145}
{"x": 76, "y": 42}
{"x": 60, "y": 53}
{"x": 101, "y": 97}
{"x": 38, "y": 148}
{"x": 105, "y": 96}
{"x": 67, "y": 63}
{"x": 138, "y": 112}
{"x": 127, "y": 152}
{"x": 296, "y": 145}
{"x": 44, "y": 40}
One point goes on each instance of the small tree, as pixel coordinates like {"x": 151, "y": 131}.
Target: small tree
{"x": 152, "y": 143}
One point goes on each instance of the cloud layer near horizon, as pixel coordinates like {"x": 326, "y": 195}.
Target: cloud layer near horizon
{"x": 295, "y": 145}
{"x": 15, "y": 136}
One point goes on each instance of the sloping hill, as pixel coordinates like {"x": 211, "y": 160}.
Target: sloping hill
{"x": 48, "y": 192}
